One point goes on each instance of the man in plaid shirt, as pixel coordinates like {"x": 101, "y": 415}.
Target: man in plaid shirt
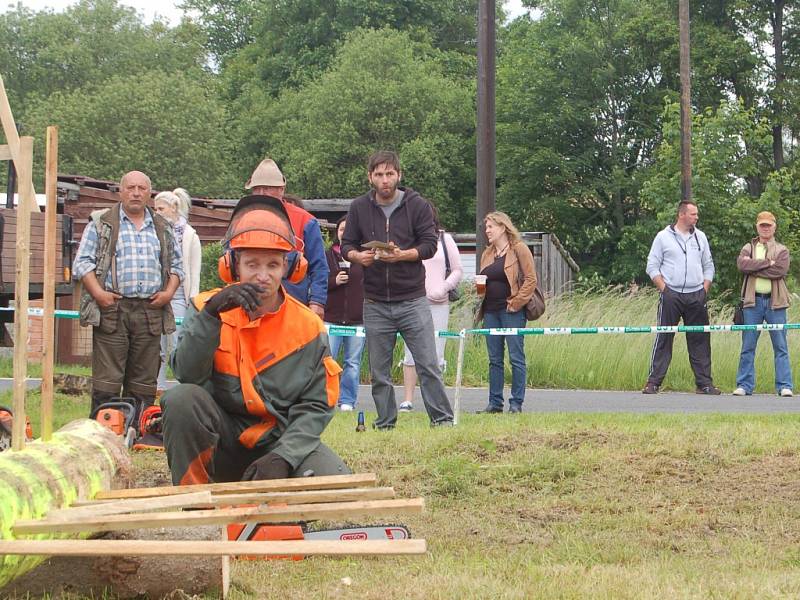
{"x": 130, "y": 268}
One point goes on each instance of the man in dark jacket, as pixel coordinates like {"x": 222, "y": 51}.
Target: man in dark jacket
{"x": 401, "y": 221}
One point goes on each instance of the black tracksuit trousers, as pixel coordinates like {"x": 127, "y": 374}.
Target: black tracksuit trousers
{"x": 692, "y": 308}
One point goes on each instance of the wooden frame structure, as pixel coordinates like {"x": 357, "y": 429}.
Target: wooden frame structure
{"x": 20, "y": 151}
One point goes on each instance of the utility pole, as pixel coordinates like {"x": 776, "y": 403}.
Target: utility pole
{"x": 686, "y": 102}
{"x": 485, "y": 154}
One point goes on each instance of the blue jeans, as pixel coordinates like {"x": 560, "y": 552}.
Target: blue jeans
{"x": 516, "y": 355}
{"x": 756, "y": 315}
{"x": 352, "y": 347}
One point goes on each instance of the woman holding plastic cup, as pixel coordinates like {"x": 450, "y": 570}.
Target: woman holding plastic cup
{"x": 506, "y": 280}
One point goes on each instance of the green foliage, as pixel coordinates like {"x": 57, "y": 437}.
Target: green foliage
{"x": 88, "y": 43}
{"x": 294, "y": 41}
{"x": 720, "y": 165}
{"x": 209, "y": 276}
{"x": 383, "y": 91}
{"x": 168, "y": 125}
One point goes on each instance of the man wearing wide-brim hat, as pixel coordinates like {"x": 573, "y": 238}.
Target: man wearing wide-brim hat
{"x": 267, "y": 180}
{"x": 764, "y": 263}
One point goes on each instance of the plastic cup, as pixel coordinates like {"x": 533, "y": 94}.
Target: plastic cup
{"x": 480, "y": 284}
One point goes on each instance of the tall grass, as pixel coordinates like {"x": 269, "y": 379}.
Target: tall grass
{"x": 611, "y": 361}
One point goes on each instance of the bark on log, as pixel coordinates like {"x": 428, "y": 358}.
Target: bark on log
{"x": 82, "y": 458}
{"x": 127, "y": 577}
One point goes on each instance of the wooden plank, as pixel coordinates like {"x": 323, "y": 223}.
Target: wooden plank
{"x": 115, "y": 507}
{"x": 211, "y": 548}
{"x": 5, "y": 152}
{"x": 24, "y": 164}
{"x": 15, "y": 148}
{"x": 302, "y": 497}
{"x": 49, "y": 283}
{"x": 328, "y": 482}
{"x": 222, "y": 516}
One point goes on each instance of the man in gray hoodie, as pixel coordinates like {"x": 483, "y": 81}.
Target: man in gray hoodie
{"x": 682, "y": 269}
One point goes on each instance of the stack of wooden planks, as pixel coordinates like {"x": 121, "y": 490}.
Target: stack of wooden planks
{"x": 335, "y": 498}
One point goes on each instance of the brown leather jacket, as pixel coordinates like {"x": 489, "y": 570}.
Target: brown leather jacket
{"x": 754, "y": 267}
{"x": 518, "y": 260}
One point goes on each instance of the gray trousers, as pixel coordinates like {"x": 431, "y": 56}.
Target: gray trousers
{"x": 412, "y": 319}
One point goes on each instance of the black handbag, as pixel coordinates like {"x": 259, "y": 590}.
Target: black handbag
{"x": 738, "y": 312}
{"x": 453, "y": 294}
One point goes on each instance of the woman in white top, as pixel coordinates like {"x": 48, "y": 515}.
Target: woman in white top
{"x": 438, "y": 285}
{"x": 170, "y": 206}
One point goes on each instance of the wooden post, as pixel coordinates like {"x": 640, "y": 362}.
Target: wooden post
{"x": 49, "y": 284}
{"x": 13, "y": 141}
{"x": 22, "y": 268}
{"x": 485, "y": 150}
{"x": 686, "y": 102}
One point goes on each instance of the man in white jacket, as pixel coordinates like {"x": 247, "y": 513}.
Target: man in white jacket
{"x": 682, "y": 269}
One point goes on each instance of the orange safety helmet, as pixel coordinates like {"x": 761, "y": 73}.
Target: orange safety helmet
{"x": 266, "y": 226}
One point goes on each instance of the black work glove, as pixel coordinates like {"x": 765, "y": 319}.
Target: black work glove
{"x": 269, "y": 466}
{"x": 245, "y": 295}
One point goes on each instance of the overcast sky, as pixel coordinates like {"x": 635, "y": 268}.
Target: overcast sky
{"x": 168, "y": 8}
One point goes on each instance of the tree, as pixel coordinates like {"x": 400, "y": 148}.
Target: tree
{"x": 294, "y": 41}
{"x": 90, "y": 42}
{"x": 721, "y": 163}
{"x": 168, "y": 125}
{"x": 383, "y": 91}
{"x": 580, "y": 96}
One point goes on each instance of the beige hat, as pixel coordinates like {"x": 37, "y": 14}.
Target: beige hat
{"x": 765, "y": 217}
{"x": 266, "y": 173}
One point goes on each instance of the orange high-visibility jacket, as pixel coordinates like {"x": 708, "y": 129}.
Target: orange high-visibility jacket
{"x": 276, "y": 372}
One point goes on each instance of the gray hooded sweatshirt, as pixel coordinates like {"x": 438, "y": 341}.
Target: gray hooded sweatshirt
{"x": 684, "y": 263}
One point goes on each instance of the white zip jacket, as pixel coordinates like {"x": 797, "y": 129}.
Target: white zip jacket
{"x": 684, "y": 264}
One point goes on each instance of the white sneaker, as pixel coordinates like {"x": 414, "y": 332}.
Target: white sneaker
{"x": 406, "y": 407}
{"x": 739, "y": 392}
{"x": 786, "y": 393}
{"x": 345, "y": 407}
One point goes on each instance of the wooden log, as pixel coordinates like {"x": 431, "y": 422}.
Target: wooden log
{"x": 117, "y": 574}
{"x": 301, "y": 497}
{"x": 201, "y": 548}
{"x": 222, "y": 516}
{"x": 82, "y": 458}
{"x": 327, "y": 482}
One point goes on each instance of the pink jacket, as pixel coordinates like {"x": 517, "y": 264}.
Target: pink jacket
{"x": 436, "y": 286}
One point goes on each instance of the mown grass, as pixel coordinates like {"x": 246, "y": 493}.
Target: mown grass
{"x": 561, "y": 506}
{"x": 572, "y": 506}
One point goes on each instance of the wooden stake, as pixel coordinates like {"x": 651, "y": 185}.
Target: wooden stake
{"x": 13, "y": 139}
{"x": 328, "y": 482}
{"x": 5, "y": 152}
{"x": 210, "y": 548}
{"x": 22, "y": 268}
{"x": 49, "y": 284}
{"x": 302, "y": 497}
{"x": 221, "y": 516}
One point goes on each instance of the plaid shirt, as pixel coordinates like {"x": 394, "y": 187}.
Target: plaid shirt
{"x": 138, "y": 258}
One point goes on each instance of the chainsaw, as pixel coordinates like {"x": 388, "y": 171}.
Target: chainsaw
{"x": 241, "y": 532}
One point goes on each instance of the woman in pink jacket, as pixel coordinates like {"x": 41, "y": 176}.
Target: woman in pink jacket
{"x": 438, "y": 284}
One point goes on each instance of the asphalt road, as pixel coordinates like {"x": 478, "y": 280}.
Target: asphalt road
{"x": 590, "y": 401}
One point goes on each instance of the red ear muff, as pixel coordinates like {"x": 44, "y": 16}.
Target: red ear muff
{"x": 298, "y": 270}
{"x": 226, "y": 267}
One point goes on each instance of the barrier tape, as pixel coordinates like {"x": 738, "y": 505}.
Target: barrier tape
{"x": 358, "y": 331}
